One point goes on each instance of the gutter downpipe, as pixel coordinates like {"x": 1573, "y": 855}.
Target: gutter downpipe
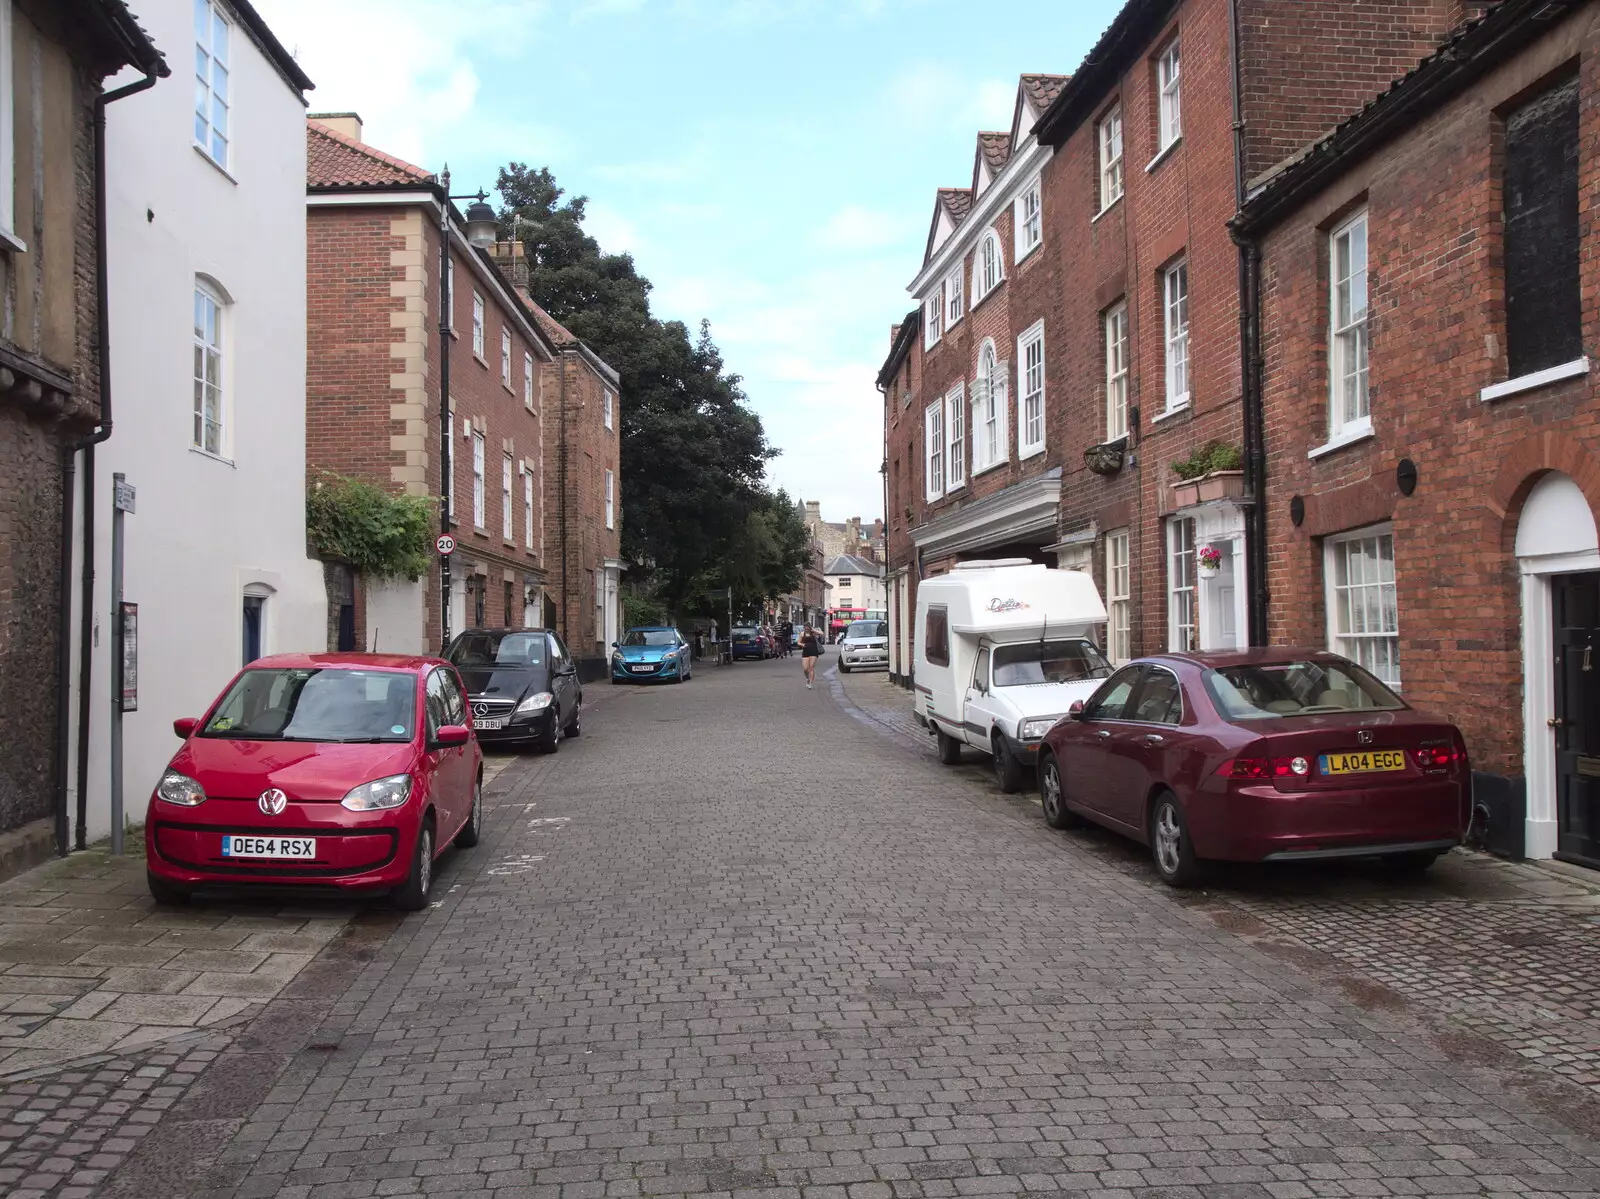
{"x": 566, "y": 594}
{"x": 68, "y": 486}
{"x": 1250, "y": 366}
{"x": 884, "y": 471}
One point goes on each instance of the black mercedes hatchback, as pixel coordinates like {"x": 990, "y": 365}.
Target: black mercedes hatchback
{"x": 522, "y": 685}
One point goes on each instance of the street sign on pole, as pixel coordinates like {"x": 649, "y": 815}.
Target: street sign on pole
{"x": 445, "y": 544}
{"x": 122, "y": 496}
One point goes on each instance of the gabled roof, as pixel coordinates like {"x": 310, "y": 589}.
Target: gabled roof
{"x": 119, "y": 40}
{"x": 269, "y": 44}
{"x": 335, "y": 162}
{"x": 952, "y": 204}
{"x": 851, "y": 564}
{"x": 1035, "y": 93}
{"x": 994, "y": 151}
{"x": 905, "y": 336}
{"x": 558, "y": 333}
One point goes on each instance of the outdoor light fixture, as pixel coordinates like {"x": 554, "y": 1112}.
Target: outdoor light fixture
{"x": 483, "y": 227}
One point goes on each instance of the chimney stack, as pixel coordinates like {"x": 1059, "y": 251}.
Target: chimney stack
{"x": 813, "y": 512}
{"x": 348, "y": 124}
{"x": 511, "y": 257}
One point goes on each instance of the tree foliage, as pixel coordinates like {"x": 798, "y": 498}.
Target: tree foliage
{"x": 696, "y": 507}
{"x": 380, "y": 535}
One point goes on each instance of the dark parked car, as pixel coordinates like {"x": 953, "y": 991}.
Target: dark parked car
{"x": 522, "y": 685}
{"x": 749, "y": 642}
{"x": 1258, "y": 755}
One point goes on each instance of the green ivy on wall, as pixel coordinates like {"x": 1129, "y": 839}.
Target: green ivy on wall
{"x": 380, "y": 535}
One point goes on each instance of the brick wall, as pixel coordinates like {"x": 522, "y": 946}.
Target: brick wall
{"x": 1437, "y": 332}
{"x": 581, "y": 449}
{"x": 373, "y": 390}
{"x": 49, "y": 318}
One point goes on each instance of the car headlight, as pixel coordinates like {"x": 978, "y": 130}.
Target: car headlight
{"x": 378, "y": 794}
{"x": 1032, "y": 730}
{"x": 180, "y": 789}
{"x": 536, "y": 702}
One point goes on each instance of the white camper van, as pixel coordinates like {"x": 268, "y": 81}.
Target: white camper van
{"x": 1003, "y": 648}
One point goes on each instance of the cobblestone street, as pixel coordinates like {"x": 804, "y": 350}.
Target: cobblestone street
{"x": 744, "y": 939}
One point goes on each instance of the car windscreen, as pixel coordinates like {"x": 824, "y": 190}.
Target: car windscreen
{"x": 1031, "y": 662}
{"x": 480, "y": 649}
{"x": 650, "y": 637}
{"x": 743, "y": 634}
{"x": 1304, "y": 687}
{"x": 862, "y": 629}
{"x": 314, "y": 704}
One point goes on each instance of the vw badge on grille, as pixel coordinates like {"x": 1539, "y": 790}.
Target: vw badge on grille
{"x": 1364, "y": 737}
{"x": 273, "y": 802}
{"x": 480, "y": 709}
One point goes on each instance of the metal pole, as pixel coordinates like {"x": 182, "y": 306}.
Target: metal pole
{"x": 117, "y": 480}
{"x": 446, "y": 421}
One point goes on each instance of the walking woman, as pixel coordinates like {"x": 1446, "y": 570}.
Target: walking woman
{"x": 810, "y": 651}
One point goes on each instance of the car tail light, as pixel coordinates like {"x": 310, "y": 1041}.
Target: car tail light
{"x": 1438, "y": 756}
{"x": 1264, "y": 768}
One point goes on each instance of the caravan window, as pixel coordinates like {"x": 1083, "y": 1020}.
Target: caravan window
{"x": 1048, "y": 662}
{"x": 936, "y": 637}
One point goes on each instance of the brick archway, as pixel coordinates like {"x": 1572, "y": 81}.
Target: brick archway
{"x": 1530, "y": 460}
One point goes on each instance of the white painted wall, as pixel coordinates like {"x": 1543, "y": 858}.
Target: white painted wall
{"x": 865, "y": 591}
{"x": 206, "y": 527}
{"x": 395, "y": 616}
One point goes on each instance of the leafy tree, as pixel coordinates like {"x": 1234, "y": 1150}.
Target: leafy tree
{"x": 695, "y": 503}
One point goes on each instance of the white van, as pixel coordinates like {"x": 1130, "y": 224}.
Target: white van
{"x": 1003, "y": 648}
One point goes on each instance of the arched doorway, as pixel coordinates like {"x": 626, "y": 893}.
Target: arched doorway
{"x": 1558, "y": 555}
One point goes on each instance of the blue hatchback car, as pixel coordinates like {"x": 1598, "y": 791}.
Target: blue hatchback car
{"x": 648, "y": 653}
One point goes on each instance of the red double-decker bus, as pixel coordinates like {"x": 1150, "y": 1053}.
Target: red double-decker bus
{"x": 839, "y": 620}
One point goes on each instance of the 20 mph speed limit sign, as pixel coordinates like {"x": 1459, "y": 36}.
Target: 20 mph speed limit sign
{"x": 446, "y": 544}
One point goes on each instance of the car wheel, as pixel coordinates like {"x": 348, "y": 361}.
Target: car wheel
{"x": 1409, "y": 864}
{"x": 1170, "y": 846}
{"x": 1009, "y": 774}
{"x": 553, "y": 742}
{"x": 412, "y": 895}
{"x": 1053, "y": 796}
{"x": 575, "y": 729}
{"x": 168, "y": 895}
{"x": 472, "y": 830}
{"x": 844, "y": 667}
{"x": 949, "y": 747}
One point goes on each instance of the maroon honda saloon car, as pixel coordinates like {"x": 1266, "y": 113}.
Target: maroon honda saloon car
{"x": 1258, "y": 755}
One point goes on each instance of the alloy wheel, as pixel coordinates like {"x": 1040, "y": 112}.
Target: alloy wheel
{"x": 1050, "y": 791}
{"x": 425, "y": 860}
{"x": 1168, "y": 837}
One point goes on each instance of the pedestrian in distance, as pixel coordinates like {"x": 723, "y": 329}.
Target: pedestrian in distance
{"x": 810, "y": 651}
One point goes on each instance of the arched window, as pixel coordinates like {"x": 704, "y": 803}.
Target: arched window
{"x": 988, "y": 267}
{"x": 989, "y": 446}
{"x": 210, "y": 308}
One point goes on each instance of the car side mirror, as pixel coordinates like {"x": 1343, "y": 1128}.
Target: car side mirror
{"x": 185, "y": 726}
{"x": 613, "y": 645}
{"x": 1076, "y": 711}
{"x": 453, "y": 734}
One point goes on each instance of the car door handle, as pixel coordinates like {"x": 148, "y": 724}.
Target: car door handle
{"x": 1104, "y": 734}
{"x": 1154, "y": 739}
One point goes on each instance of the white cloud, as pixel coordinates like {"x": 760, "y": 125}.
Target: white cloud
{"x": 856, "y": 228}
{"x": 615, "y": 232}
{"x": 936, "y": 96}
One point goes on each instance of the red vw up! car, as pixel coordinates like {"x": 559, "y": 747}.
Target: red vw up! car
{"x": 342, "y": 770}
{"x": 1258, "y": 755}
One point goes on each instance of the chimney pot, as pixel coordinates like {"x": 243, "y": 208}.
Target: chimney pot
{"x": 347, "y": 124}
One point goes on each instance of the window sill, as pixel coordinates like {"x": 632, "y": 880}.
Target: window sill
{"x": 480, "y": 360}
{"x": 1021, "y": 256}
{"x": 1096, "y": 219}
{"x": 194, "y": 449}
{"x": 510, "y": 391}
{"x": 1168, "y": 414}
{"x": 1165, "y": 154}
{"x": 215, "y": 165}
{"x": 1032, "y": 452}
{"x": 980, "y": 299}
{"x": 12, "y": 242}
{"x": 1536, "y": 380}
{"x": 983, "y": 470}
{"x": 1351, "y": 435}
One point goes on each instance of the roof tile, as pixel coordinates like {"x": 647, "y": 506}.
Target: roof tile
{"x": 1042, "y": 89}
{"x": 957, "y": 202}
{"x": 334, "y": 160}
{"x": 996, "y": 150}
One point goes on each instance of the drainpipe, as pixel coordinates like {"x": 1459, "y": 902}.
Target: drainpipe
{"x": 68, "y": 487}
{"x": 566, "y": 594}
{"x": 1250, "y": 372}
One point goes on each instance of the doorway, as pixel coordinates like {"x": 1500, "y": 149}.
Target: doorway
{"x": 1576, "y": 603}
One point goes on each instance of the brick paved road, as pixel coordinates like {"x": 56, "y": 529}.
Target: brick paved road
{"x": 734, "y": 942}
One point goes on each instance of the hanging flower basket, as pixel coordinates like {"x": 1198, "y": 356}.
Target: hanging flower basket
{"x": 1210, "y": 559}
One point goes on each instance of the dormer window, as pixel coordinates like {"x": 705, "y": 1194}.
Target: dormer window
{"x": 988, "y": 267}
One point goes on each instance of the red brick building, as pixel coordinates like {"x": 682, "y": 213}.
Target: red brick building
{"x": 1431, "y": 421}
{"x": 373, "y": 382}
{"x": 1077, "y": 322}
{"x": 583, "y": 472}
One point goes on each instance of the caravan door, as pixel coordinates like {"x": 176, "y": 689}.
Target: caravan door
{"x": 979, "y": 716}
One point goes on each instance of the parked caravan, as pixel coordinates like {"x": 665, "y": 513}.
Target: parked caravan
{"x": 1003, "y": 648}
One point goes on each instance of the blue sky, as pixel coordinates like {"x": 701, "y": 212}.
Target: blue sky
{"x": 771, "y": 164}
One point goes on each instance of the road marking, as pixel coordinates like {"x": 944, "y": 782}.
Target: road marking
{"x": 517, "y": 865}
